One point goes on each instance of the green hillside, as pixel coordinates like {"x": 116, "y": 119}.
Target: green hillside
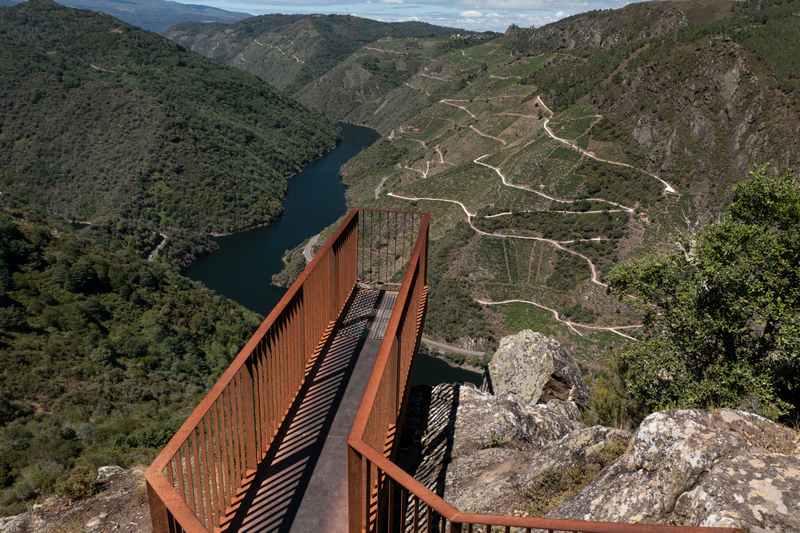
{"x": 102, "y": 354}
{"x": 290, "y": 51}
{"x": 658, "y": 108}
{"x": 151, "y": 15}
{"x": 99, "y": 118}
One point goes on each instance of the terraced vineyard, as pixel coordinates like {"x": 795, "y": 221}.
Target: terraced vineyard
{"x": 546, "y": 160}
{"x": 480, "y": 153}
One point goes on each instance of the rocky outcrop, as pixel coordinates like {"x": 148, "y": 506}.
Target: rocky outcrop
{"x": 689, "y": 467}
{"x": 600, "y": 33}
{"x": 535, "y": 368}
{"x": 119, "y": 505}
{"x": 479, "y": 450}
{"x": 489, "y": 454}
{"x": 507, "y": 454}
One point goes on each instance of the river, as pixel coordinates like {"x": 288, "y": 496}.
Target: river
{"x": 243, "y": 266}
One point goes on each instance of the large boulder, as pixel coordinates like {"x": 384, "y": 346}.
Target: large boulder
{"x": 535, "y": 369}
{"x": 690, "y": 467}
{"x": 471, "y": 446}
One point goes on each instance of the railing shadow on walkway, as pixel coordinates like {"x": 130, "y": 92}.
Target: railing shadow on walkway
{"x": 274, "y": 499}
{"x": 214, "y": 474}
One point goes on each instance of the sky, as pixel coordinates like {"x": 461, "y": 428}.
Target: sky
{"x": 476, "y": 15}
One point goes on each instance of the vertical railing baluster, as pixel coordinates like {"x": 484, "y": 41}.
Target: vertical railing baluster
{"x": 233, "y": 437}
{"x": 226, "y": 442}
{"x": 390, "y": 506}
{"x": 189, "y": 483}
{"x": 219, "y": 464}
{"x": 368, "y": 486}
{"x": 379, "y": 509}
{"x": 205, "y": 486}
{"x": 239, "y": 431}
{"x": 416, "y": 514}
{"x": 179, "y": 470}
{"x": 248, "y": 415}
{"x": 198, "y": 479}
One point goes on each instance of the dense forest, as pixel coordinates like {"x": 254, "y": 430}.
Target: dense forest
{"x": 102, "y": 119}
{"x": 103, "y": 354}
{"x": 151, "y": 15}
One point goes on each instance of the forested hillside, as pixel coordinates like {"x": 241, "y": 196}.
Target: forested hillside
{"x": 550, "y": 155}
{"x": 151, "y": 15}
{"x": 102, "y": 354}
{"x": 290, "y": 51}
{"x": 100, "y": 118}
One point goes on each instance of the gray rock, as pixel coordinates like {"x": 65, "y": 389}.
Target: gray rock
{"x": 473, "y": 445}
{"x": 757, "y": 490}
{"x": 104, "y": 473}
{"x": 535, "y": 368}
{"x": 686, "y": 467}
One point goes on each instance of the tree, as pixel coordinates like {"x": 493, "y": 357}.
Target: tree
{"x": 721, "y": 325}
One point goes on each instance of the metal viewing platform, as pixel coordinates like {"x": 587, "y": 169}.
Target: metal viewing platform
{"x": 301, "y": 431}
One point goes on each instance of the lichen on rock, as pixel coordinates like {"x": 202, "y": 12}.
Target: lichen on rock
{"x": 536, "y": 368}
{"x": 691, "y": 467}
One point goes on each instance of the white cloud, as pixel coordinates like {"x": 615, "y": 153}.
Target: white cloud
{"x": 480, "y": 15}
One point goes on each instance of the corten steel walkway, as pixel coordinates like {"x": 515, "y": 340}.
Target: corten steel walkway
{"x": 299, "y": 433}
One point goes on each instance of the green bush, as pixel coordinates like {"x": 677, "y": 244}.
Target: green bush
{"x": 79, "y": 484}
{"x": 722, "y": 314}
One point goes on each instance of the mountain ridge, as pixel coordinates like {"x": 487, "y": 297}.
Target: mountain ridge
{"x": 289, "y": 51}
{"x": 151, "y": 15}
{"x": 143, "y": 128}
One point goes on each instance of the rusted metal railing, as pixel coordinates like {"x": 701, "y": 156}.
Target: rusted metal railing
{"x": 201, "y": 476}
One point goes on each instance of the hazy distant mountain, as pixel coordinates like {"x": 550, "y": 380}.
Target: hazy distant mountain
{"x": 153, "y": 15}
{"x": 290, "y": 51}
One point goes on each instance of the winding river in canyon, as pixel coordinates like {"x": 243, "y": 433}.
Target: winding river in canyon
{"x": 243, "y": 266}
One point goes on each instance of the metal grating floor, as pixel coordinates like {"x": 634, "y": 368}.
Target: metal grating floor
{"x": 302, "y": 484}
{"x": 368, "y": 315}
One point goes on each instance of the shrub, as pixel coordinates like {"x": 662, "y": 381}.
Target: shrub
{"x": 78, "y": 484}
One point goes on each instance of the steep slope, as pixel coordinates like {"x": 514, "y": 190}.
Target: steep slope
{"x": 151, "y": 15}
{"x": 549, "y": 155}
{"x": 696, "y": 102}
{"x": 289, "y": 51}
{"x": 102, "y": 119}
{"x": 102, "y": 353}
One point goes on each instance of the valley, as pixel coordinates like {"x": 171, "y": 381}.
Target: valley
{"x": 556, "y": 181}
{"x": 548, "y": 157}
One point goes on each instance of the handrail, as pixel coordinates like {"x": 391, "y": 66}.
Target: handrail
{"x": 457, "y": 519}
{"x": 197, "y": 481}
{"x": 200, "y": 478}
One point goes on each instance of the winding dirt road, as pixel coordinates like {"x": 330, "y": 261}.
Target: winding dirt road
{"x": 667, "y": 187}
{"x": 571, "y": 325}
{"x": 558, "y": 244}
